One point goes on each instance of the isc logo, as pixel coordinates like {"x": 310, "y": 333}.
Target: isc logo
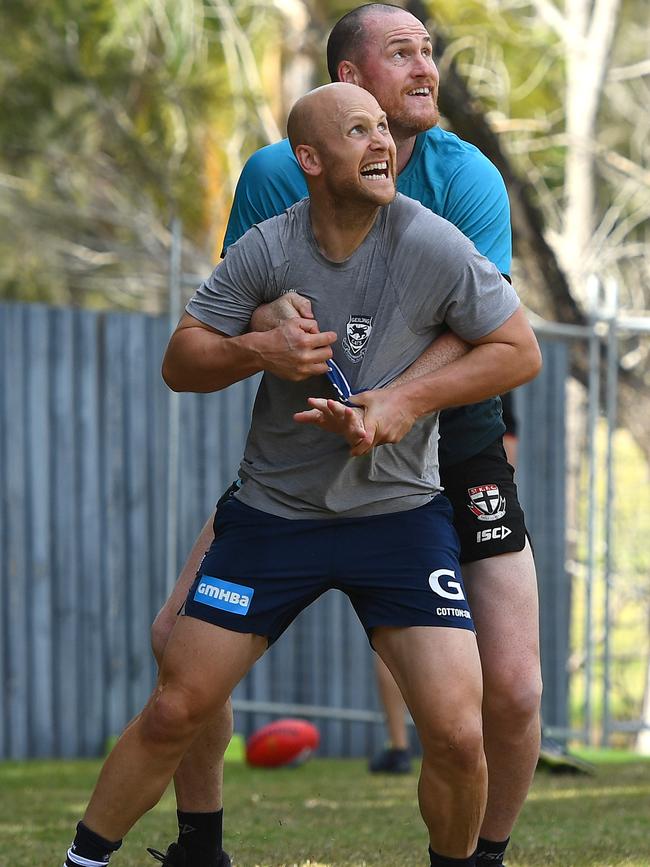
{"x": 493, "y": 533}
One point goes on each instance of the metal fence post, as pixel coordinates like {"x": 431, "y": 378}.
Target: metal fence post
{"x": 610, "y": 402}
{"x": 593, "y": 399}
{"x": 171, "y": 559}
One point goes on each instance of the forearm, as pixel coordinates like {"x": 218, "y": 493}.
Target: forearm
{"x": 444, "y": 350}
{"x": 487, "y": 370}
{"x": 199, "y": 358}
{"x": 201, "y": 361}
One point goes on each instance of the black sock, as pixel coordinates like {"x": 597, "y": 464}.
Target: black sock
{"x": 200, "y": 835}
{"x": 443, "y": 861}
{"x": 489, "y": 853}
{"x": 90, "y": 846}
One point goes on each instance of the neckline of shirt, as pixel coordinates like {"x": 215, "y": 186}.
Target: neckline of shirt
{"x": 350, "y": 261}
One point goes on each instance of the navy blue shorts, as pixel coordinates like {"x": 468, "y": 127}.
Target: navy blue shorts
{"x": 398, "y": 570}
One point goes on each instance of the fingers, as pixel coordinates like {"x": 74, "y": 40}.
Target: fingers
{"x": 304, "y": 333}
{"x": 308, "y": 416}
{"x": 362, "y": 398}
{"x": 309, "y": 326}
{"x": 335, "y": 417}
{"x": 364, "y": 445}
{"x": 339, "y": 413}
{"x": 299, "y": 350}
{"x": 316, "y": 338}
{"x": 301, "y": 304}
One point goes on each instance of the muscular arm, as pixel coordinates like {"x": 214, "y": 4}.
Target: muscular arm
{"x": 444, "y": 349}
{"x": 499, "y": 361}
{"x": 507, "y": 357}
{"x": 200, "y": 359}
{"x": 503, "y": 359}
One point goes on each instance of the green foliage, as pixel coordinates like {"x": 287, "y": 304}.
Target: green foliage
{"x": 516, "y": 64}
{"x": 110, "y": 108}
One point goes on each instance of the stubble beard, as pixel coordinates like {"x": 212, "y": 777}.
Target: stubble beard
{"x": 405, "y": 124}
{"x": 360, "y": 199}
{"x": 355, "y": 201}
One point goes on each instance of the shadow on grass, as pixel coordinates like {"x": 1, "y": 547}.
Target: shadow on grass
{"x": 334, "y": 814}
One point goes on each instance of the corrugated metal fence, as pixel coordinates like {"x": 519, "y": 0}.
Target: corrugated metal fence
{"x": 84, "y": 485}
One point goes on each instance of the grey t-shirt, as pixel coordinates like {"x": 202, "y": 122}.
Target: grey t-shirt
{"x": 413, "y": 275}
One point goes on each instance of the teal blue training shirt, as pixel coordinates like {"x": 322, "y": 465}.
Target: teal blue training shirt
{"x": 450, "y": 177}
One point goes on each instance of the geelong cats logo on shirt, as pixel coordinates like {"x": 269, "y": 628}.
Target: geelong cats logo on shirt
{"x": 357, "y": 332}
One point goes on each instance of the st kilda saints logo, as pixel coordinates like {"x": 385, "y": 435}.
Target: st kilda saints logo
{"x": 357, "y": 332}
{"x": 486, "y": 503}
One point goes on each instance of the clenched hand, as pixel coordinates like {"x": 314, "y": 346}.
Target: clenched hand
{"x": 296, "y": 349}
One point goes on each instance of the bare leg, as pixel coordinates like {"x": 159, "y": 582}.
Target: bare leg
{"x": 202, "y": 665}
{"x": 198, "y": 780}
{"x": 502, "y": 592}
{"x": 439, "y": 674}
{"x": 393, "y": 705}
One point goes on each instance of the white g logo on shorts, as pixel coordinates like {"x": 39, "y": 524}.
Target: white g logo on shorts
{"x": 454, "y": 591}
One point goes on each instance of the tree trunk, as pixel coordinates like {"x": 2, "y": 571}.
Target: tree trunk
{"x": 545, "y": 286}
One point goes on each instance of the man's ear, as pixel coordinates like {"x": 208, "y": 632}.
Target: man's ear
{"x": 309, "y": 160}
{"x": 348, "y": 73}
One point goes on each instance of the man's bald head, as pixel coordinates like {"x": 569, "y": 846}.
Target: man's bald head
{"x": 314, "y": 115}
{"x": 340, "y": 137}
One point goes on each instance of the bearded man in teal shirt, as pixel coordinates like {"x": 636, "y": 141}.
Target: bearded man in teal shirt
{"x": 387, "y": 51}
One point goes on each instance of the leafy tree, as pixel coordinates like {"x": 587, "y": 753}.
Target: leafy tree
{"x": 115, "y": 115}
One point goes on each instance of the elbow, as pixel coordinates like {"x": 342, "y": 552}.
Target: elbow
{"x": 171, "y": 377}
{"x": 531, "y": 363}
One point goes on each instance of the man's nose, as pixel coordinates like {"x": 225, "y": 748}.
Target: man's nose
{"x": 425, "y": 66}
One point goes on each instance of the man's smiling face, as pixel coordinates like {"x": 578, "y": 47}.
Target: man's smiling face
{"x": 396, "y": 65}
{"x": 357, "y": 148}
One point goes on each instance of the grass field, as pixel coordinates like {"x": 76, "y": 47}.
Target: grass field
{"x": 332, "y": 813}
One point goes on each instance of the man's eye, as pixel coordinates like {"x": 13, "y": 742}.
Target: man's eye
{"x": 382, "y": 126}
{"x": 357, "y": 129}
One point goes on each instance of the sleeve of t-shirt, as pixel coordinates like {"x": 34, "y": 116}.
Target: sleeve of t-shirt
{"x": 480, "y": 301}
{"x": 477, "y": 204}
{"x": 442, "y": 278}
{"x": 237, "y": 286}
{"x": 271, "y": 181}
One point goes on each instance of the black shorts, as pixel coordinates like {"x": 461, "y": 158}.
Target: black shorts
{"x": 487, "y": 514}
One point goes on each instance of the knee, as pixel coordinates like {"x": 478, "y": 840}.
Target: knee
{"x": 514, "y": 702}
{"x": 457, "y": 744}
{"x": 160, "y": 632}
{"x": 173, "y": 715}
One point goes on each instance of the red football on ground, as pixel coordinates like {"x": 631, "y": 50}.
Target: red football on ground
{"x": 283, "y": 742}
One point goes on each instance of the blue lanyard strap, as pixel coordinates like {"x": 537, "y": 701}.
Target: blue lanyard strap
{"x": 340, "y": 383}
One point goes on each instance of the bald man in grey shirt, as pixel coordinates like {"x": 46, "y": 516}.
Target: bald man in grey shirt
{"x": 334, "y": 496}
{"x": 414, "y": 274}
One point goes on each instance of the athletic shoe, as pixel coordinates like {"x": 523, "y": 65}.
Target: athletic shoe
{"x": 175, "y": 856}
{"x": 391, "y": 761}
{"x": 554, "y": 757}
